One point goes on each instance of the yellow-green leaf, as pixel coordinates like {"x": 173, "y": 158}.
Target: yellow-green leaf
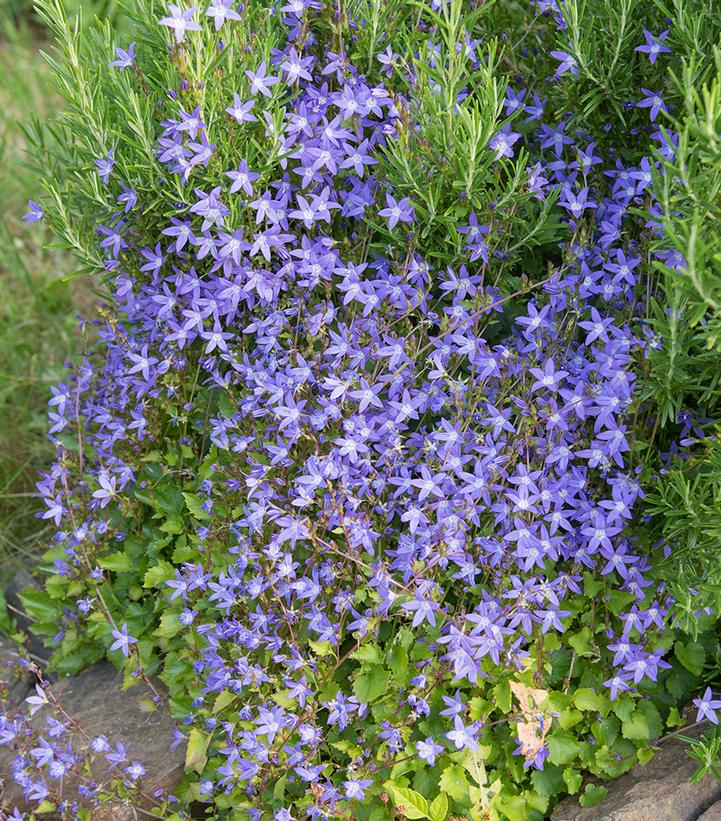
{"x": 439, "y": 808}
{"x": 196, "y": 755}
{"x": 408, "y": 802}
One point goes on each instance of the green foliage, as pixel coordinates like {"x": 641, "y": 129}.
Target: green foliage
{"x": 682, "y": 384}
{"x": 706, "y": 751}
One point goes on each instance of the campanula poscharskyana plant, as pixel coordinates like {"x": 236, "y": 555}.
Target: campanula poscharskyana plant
{"x": 357, "y": 463}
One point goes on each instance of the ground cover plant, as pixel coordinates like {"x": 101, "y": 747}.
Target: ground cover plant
{"x": 405, "y": 362}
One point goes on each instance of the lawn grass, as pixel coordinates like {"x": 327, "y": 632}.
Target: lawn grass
{"x": 38, "y": 326}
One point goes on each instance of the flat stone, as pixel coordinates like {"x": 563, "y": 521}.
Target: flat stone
{"x": 712, "y": 814}
{"x": 657, "y": 791}
{"x": 95, "y": 700}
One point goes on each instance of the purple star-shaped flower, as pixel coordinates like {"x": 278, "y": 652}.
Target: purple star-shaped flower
{"x": 654, "y": 45}
{"x": 428, "y": 750}
{"x": 567, "y": 63}
{"x": 707, "y": 707}
{"x": 180, "y": 21}
{"x": 654, "y": 101}
{"x": 124, "y": 58}
{"x": 502, "y": 142}
{"x": 240, "y": 111}
{"x": 220, "y": 11}
{"x": 422, "y": 609}
{"x": 122, "y": 640}
{"x": 354, "y": 788}
{"x": 463, "y": 736}
{"x": 397, "y": 211}
{"x": 35, "y": 214}
{"x": 105, "y": 166}
{"x": 260, "y": 82}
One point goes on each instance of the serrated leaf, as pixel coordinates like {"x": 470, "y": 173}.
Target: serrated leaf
{"x": 591, "y": 701}
{"x": 582, "y": 643}
{"x": 194, "y": 503}
{"x": 369, "y": 653}
{"x": 117, "y": 562}
{"x": 591, "y": 795}
{"x": 453, "y": 782}
{"x": 572, "y": 780}
{"x": 321, "y": 648}
{"x": 157, "y": 575}
{"x": 170, "y": 625}
{"x": 439, "y": 808}
{"x": 563, "y": 748}
{"x": 635, "y": 727}
{"x": 692, "y": 655}
{"x": 408, "y": 802}
{"x": 502, "y": 693}
{"x": 372, "y": 683}
{"x": 39, "y": 606}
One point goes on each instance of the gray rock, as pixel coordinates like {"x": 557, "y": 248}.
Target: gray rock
{"x": 713, "y": 813}
{"x": 657, "y": 791}
{"x": 95, "y": 700}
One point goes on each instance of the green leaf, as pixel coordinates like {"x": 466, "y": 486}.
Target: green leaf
{"x": 572, "y": 779}
{"x": 223, "y": 699}
{"x": 606, "y": 731}
{"x": 502, "y": 693}
{"x": 6, "y": 624}
{"x": 279, "y": 789}
{"x": 591, "y": 586}
{"x": 635, "y": 727}
{"x": 453, "y": 782}
{"x": 590, "y": 701}
{"x": 439, "y": 808}
{"x": 591, "y": 795}
{"x": 547, "y": 781}
{"x": 117, "y": 562}
{"x": 157, "y": 575}
{"x": 514, "y": 806}
{"x": 618, "y": 600}
{"x": 196, "y": 754}
{"x": 169, "y": 625}
{"x": 372, "y": 683}
{"x": 653, "y": 717}
{"x": 409, "y": 803}
{"x": 321, "y": 648}
{"x": 194, "y": 503}
{"x": 369, "y": 653}
{"x": 563, "y": 748}
{"x": 692, "y": 655}
{"x": 167, "y": 497}
{"x": 674, "y": 719}
{"x": 624, "y": 707}
{"x": 398, "y": 663}
{"x": 226, "y": 405}
{"x": 582, "y": 642}
{"x": 38, "y": 606}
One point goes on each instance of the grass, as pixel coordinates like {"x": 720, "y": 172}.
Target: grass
{"x": 38, "y": 326}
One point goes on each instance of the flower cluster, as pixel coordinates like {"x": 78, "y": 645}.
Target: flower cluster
{"x": 372, "y": 469}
